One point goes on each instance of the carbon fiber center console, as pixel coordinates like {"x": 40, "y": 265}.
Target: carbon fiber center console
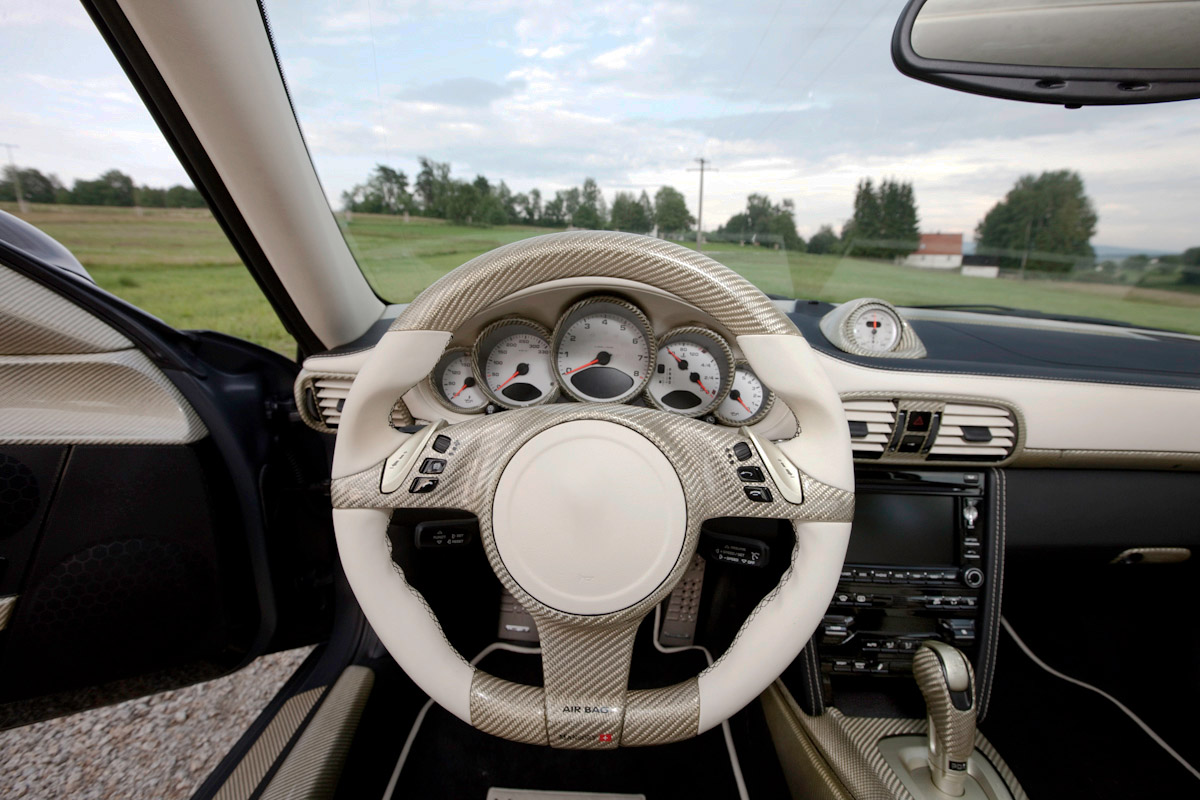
{"x": 914, "y": 571}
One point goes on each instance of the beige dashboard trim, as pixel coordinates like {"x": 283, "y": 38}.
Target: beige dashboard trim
{"x": 94, "y": 398}
{"x": 36, "y": 321}
{"x": 1109, "y": 459}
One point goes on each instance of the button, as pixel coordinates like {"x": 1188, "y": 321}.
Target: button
{"x": 441, "y": 444}
{"x": 860, "y": 666}
{"x": 422, "y": 485}
{"x": 891, "y": 645}
{"x": 741, "y": 451}
{"x": 758, "y": 494}
{"x": 871, "y": 645}
{"x": 971, "y": 541}
{"x": 862, "y": 599}
{"x": 445, "y": 533}
{"x": 847, "y": 574}
{"x": 881, "y": 575}
{"x": 918, "y": 421}
{"x": 879, "y": 667}
{"x": 911, "y": 443}
{"x": 841, "y": 598}
{"x": 862, "y": 574}
{"x": 908, "y": 645}
{"x": 968, "y": 552}
{"x": 750, "y": 474}
{"x": 841, "y": 665}
{"x": 433, "y": 466}
{"x": 971, "y": 477}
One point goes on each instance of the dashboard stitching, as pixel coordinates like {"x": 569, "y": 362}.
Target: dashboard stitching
{"x": 998, "y": 548}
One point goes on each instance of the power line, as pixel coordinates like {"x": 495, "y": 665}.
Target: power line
{"x": 700, "y": 209}
{"x": 21, "y": 205}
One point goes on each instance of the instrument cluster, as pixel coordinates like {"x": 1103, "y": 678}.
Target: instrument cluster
{"x": 603, "y": 350}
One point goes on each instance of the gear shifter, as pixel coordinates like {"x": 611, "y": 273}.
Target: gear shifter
{"x": 947, "y": 681}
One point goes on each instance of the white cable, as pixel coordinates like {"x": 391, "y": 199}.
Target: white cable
{"x": 743, "y": 794}
{"x": 1149, "y": 732}
{"x": 416, "y": 726}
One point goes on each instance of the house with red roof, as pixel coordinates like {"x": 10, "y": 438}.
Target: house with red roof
{"x": 937, "y": 251}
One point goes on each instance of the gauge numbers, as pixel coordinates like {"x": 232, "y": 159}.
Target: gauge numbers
{"x": 602, "y": 351}
{"x": 748, "y": 400}
{"x": 875, "y": 329}
{"x": 454, "y": 383}
{"x": 693, "y": 372}
{"x": 513, "y": 356}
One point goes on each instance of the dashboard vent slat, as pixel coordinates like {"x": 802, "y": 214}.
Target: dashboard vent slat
{"x": 871, "y": 424}
{"x": 975, "y": 432}
{"x": 331, "y": 394}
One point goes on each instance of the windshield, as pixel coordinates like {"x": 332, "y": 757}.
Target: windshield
{"x": 778, "y": 137}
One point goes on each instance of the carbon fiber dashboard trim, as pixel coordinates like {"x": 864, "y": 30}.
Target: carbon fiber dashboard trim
{"x": 249, "y": 772}
{"x": 95, "y": 398}
{"x": 7, "y": 604}
{"x": 692, "y": 276}
{"x": 838, "y": 327}
{"x": 36, "y": 321}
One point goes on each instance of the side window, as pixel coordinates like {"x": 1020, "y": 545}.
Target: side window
{"x": 84, "y": 162}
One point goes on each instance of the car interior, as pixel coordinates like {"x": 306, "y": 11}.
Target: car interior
{"x": 593, "y": 513}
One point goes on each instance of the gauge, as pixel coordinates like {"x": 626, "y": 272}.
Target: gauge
{"x": 513, "y": 357}
{"x": 693, "y": 372}
{"x": 602, "y": 350}
{"x": 875, "y": 328}
{"x": 454, "y": 383}
{"x": 748, "y": 400}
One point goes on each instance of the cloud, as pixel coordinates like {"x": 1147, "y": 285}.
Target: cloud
{"x": 468, "y": 92}
{"x": 623, "y": 57}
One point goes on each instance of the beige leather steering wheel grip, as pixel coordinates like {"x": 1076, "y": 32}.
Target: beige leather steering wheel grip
{"x": 589, "y": 513}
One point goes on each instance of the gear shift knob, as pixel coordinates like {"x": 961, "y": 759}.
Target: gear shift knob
{"x": 947, "y": 681}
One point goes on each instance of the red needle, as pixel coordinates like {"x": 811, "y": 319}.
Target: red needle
{"x": 460, "y": 391}
{"x": 701, "y": 385}
{"x": 677, "y": 358}
{"x": 743, "y": 402}
{"x": 568, "y": 372}
{"x": 501, "y": 386}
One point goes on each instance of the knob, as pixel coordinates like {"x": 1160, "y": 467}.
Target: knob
{"x": 973, "y": 577}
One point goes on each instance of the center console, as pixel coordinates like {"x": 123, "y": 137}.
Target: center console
{"x": 914, "y": 571}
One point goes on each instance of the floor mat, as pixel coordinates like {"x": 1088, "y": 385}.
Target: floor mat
{"x": 1064, "y": 741}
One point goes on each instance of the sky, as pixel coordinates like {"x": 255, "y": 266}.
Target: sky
{"x": 794, "y": 99}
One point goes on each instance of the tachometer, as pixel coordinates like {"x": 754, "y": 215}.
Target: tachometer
{"x": 693, "y": 372}
{"x": 602, "y": 350}
{"x": 454, "y": 383}
{"x": 513, "y": 357}
{"x": 748, "y": 400}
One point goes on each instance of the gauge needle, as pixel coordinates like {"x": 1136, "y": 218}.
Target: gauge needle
{"x": 682, "y": 364}
{"x": 601, "y": 358}
{"x": 522, "y": 368}
{"x": 736, "y": 395}
{"x": 695, "y": 378}
{"x": 467, "y": 384}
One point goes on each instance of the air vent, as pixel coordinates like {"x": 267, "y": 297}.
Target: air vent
{"x": 974, "y": 433}
{"x": 331, "y": 394}
{"x": 871, "y": 425}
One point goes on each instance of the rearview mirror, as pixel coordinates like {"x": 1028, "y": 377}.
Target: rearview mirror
{"x": 1073, "y": 52}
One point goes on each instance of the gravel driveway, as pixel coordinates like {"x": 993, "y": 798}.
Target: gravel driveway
{"x": 158, "y": 748}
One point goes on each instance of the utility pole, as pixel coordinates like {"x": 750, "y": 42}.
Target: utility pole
{"x": 21, "y": 205}
{"x": 700, "y": 209}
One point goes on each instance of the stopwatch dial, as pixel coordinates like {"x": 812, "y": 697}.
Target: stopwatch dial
{"x": 748, "y": 399}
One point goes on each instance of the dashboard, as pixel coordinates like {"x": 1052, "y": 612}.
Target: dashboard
{"x": 602, "y": 349}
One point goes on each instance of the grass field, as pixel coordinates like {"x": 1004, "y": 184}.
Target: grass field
{"x": 178, "y": 266}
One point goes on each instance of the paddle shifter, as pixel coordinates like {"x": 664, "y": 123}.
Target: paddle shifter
{"x": 948, "y": 683}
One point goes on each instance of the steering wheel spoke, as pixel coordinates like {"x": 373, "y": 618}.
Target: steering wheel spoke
{"x": 431, "y": 468}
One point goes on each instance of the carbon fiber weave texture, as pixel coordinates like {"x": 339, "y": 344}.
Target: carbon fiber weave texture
{"x": 955, "y": 728}
{"x": 692, "y": 276}
{"x": 36, "y": 321}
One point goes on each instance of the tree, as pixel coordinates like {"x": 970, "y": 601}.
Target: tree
{"x": 36, "y": 187}
{"x": 184, "y": 197}
{"x": 765, "y": 223}
{"x": 589, "y": 212}
{"x": 385, "y": 192}
{"x": 1189, "y": 265}
{"x": 1045, "y": 222}
{"x": 885, "y": 222}
{"x": 433, "y": 186}
{"x": 671, "y": 211}
{"x": 628, "y": 214}
{"x": 113, "y": 188}
{"x": 823, "y": 241}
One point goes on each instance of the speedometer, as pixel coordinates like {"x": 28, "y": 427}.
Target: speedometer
{"x": 454, "y": 383}
{"x": 693, "y": 373}
{"x": 602, "y": 350}
{"x": 748, "y": 400}
{"x": 513, "y": 359}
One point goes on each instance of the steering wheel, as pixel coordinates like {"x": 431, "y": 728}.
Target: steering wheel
{"x": 620, "y": 493}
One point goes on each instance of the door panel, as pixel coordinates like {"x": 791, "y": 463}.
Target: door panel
{"x": 157, "y": 496}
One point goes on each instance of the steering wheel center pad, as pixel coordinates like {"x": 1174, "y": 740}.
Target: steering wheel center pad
{"x": 589, "y": 517}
